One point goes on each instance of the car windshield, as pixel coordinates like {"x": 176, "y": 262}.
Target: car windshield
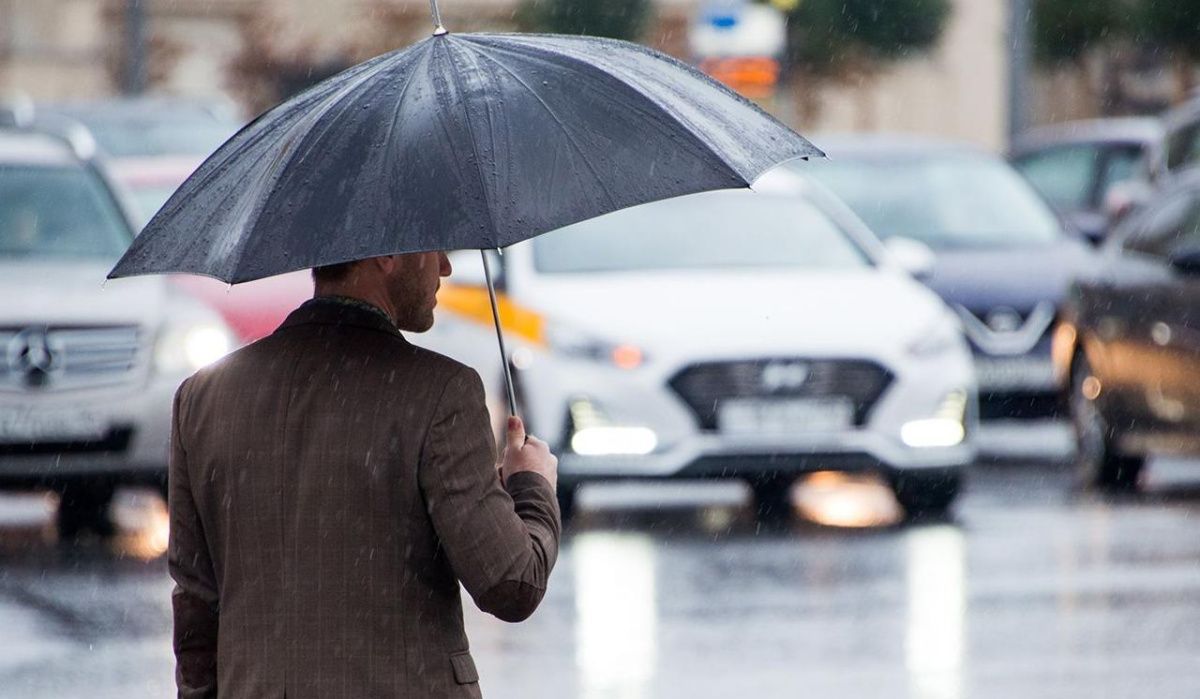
{"x": 944, "y": 201}
{"x": 58, "y": 212}
{"x": 175, "y": 134}
{"x": 1063, "y": 174}
{"x": 713, "y": 230}
{"x": 1077, "y": 176}
{"x": 148, "y": 199}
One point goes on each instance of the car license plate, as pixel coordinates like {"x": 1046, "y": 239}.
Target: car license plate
{"x": 1009, "y": 373}
{"x": 784, "y": 416}
{"x": 23, "y": 425}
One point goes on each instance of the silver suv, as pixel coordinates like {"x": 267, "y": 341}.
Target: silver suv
{"x": 87, "y": 370}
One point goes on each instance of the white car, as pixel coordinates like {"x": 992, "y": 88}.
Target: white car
{"x": 87, "y": 371}
{"x": 737, "y": 334}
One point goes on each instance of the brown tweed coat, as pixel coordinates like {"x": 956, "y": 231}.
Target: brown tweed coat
{"x": 330, "y": 486}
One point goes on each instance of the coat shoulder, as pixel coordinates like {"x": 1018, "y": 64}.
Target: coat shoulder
{"x": 446, "y": 367}
{"x": 368, "y": 353}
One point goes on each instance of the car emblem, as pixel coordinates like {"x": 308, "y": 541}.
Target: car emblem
{"x": 781, "y": 376}
{"x": 1004, "y": 320}
{"x": 34, "y": 356}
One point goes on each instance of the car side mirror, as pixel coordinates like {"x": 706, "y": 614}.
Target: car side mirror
{"x": 1090, "y": 226}
{"x": 467, "y": 266}
{"x": 1186, "y": 260}
{"x": 913, "y": 256}
{"x": 1123, "y": 198}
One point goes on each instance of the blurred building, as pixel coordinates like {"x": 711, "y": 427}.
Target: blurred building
{"x": 54, "y": 49}
{"x": 1115, "y": 80}
{"x": 258, "y": 51}
{"x": 958, "y": 91}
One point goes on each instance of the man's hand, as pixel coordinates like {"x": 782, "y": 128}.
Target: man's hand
{"x": 527, "y": 453}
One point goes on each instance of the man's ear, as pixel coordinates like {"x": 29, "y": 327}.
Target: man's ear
{"x": 386, "y": 264}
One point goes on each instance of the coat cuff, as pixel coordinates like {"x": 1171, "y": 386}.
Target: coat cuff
{"x": 522, "y": 481}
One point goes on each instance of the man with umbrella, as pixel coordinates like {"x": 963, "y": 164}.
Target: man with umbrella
{"x": 332, "y": 484}
{"x": 329, "y": 487}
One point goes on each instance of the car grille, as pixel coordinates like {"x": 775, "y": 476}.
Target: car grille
{"x": 1005, "y": 331}
{"x": 704, "y": 386}
{"x": 67, "y": 357}
{"x": 116, "y": 441}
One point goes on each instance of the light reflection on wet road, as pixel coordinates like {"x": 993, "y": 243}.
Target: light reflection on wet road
{"x": 674, "y": 591}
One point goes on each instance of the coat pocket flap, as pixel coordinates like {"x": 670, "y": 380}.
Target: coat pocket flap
{"x": 464, "y": 668}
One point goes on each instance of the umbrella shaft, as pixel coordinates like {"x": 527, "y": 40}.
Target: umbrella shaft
{"x": 508, "y": 382}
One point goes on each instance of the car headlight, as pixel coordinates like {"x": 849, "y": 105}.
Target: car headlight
{"x": 592, "y": 434}
{"x": 945, "y": 428}
{"x": 940, "y": 336}
{"x": 189, "y": 348}
{"x": 572, "y": 342}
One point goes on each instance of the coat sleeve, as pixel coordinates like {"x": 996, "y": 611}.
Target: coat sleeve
{"x": 500, "y": 543}
{"x": 194, "y": 599}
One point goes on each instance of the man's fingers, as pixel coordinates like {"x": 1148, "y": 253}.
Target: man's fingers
{"x": 516, "y": 431}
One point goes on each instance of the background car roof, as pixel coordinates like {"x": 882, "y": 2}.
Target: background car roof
{"x": 1142, "y": 130}
{"x": 782, "y": 180}
{"x": 1183, "y": 114}
{"x": 889, "y": 145}
{"x": 143, "y": 108}
{"x": 1187, "y": 178}
{"x": 33, "y": 148}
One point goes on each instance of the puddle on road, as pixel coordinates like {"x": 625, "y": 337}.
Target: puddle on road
{"x": 844, "y": 500}
{"x": 27, "y": 523}
{"x": 825, "y": 498}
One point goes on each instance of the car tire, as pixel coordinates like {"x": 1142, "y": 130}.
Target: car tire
{"x": 926, "y": 494}
{"x": 773, "y": 498}
{"x": 1098, "y": 463}
{"x": 85, "y": 506}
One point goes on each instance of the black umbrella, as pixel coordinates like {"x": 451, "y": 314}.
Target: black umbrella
{"x": 462, "y": 141}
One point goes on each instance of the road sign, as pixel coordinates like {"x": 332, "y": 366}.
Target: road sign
{"x": 739, "y": 44}
{"x": 727, "y": 29}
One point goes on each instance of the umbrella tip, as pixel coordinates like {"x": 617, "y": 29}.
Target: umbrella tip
{"x": 438, "y": 29}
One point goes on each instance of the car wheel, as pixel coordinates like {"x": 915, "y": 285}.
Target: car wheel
{"x": 1098, "y": 464}
{"x": 85, "y": 506}
{"x": 772, "y": 498}
{"x": 926, "y": 494}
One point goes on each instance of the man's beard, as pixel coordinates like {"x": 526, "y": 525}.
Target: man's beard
{"x": 417, "y": 322}
{"x": 413, "y": 313}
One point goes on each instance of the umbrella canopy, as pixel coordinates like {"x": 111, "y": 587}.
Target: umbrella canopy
{"x": 460, "y": 141}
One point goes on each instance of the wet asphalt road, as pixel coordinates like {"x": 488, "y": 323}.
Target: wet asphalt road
{"x": 1029, "y": 591}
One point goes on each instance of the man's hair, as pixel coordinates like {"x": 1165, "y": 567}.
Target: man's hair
{"x": 332, "y": 273}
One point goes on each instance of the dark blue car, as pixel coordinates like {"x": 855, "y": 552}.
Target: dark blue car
{"x": 997, "y": 253}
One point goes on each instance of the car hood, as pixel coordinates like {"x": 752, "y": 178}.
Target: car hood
{"x": 1019, "y": 278}
{"x": 252, "y": 309}
{"x": 868, "y": 313}
{"x": 74, "y": 292}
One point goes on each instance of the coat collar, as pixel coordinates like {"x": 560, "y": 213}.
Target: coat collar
{"x": 328, "y": 311}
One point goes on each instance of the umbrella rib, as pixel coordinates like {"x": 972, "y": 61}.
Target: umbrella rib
{"x": 282, "y": 162}
{"x": 558, "y": 122}
{"x": 250, "y": 137}
{"x": 400, "y": 101}
{"x": 696, "y": 137}
{"x": 478, "y": 161}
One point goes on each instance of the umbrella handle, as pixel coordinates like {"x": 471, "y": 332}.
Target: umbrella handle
{"x": 508, "y": 382}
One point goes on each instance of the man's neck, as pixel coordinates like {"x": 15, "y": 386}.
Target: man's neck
{"x": 356, "y": 302}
